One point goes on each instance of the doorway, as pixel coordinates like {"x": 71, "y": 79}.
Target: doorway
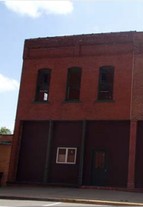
{"x": 99, "y": 168}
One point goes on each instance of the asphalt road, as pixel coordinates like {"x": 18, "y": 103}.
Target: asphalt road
{"x": 27, "y": 203}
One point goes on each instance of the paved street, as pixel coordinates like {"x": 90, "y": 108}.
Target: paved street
{"x": 28, "y": 203}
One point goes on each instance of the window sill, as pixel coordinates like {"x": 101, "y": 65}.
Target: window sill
{"x": 41, "y": 102}
{"x": 105, "y": 101}
{"x": 72, "y": 101}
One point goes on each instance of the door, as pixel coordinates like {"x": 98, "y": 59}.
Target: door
{"x": 99, "y": 168}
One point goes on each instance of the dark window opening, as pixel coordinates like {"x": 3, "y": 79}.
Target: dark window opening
{"x": 73, "y": 84}
{"x": 106, "y": 75}
{"x": 43, "y": 84}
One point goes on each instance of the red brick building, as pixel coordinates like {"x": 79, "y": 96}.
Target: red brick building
{"x": 80, "y": 111}
{"x": 5, "y": 150}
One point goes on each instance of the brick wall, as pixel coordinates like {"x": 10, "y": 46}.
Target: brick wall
{"x": 90, "y": 53}
{"x": 137, "y": 92}
{"x": 5, "y": 150}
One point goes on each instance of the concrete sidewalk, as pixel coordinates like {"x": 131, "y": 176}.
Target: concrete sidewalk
{"x": 78, "y": 195}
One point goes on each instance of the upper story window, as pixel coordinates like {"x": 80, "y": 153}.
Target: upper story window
{"x": 43, "y": 84}
{"x": 73, "y": 84}
{"x": 106, "y": 76}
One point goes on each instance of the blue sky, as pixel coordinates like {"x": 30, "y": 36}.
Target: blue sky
{"x": 24, "y": 19}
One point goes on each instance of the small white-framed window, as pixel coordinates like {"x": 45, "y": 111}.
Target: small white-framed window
{"x": 66, "y": 155}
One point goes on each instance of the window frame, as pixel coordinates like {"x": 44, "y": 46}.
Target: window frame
{"x": 70, "y": 87}
{"x": 40, "y": 86}
{"x": 103, "y": 83}
{"x": 66, "y": 155}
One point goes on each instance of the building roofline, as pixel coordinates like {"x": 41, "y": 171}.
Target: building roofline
{"x": 83, "y": 35}
{"x": 80, "y": 39}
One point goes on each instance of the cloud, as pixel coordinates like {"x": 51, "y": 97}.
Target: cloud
{"x": 7, "y": 84}
{"x": 35, "y": 8}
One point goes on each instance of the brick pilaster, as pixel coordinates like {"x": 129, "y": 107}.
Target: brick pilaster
{"x": 132, "y": 154}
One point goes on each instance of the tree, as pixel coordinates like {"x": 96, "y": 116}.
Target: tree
{"x": 4, "y": 130}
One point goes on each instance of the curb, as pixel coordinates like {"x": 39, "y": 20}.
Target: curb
{"x": 70, "y": 200}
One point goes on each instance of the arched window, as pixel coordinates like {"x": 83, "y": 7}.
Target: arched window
{"x": 43, "y": 85}
{"x": 73, "y": 84}
{"x": 105, "y": 89}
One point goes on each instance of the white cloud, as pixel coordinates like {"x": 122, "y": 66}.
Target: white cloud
{"x": 35, "y": 8}
{"x": 7, "y": 84}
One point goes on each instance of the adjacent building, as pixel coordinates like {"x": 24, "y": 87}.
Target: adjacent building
{"x": 79, "y": 118}
{"x": 5, "y": 150}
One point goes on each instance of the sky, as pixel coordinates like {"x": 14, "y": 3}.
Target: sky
{"x": 25, "y": 19}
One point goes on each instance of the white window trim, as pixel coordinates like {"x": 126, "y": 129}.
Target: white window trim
{"x": 66, "y": 155}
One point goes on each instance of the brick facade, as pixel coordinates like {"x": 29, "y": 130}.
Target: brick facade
{"x": 5, "y": 150}
{"x": 123, "y": 51}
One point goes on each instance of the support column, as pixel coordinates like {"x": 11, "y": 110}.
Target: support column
{"x": 80, "y": 175}
{"x": 132, "y": 155}
{"x": 47, "y": 160}
{"x": 15, "y": 150}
